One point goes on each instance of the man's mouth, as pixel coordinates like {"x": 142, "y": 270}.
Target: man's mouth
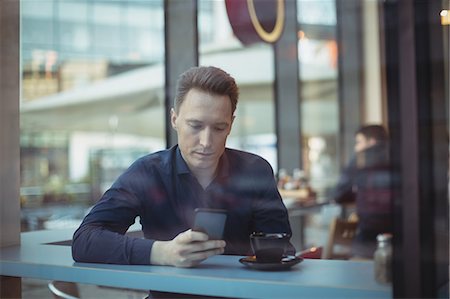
{"x": 203, "y": 154}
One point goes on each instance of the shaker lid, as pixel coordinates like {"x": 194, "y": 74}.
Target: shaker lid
{"x": 384, "y": 237}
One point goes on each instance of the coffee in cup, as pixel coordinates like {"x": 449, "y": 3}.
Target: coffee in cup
{"x": 269, "y": 247}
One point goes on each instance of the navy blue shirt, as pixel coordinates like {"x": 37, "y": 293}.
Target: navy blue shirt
{"x": 162, "y": 191}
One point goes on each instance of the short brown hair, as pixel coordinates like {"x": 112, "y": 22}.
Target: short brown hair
{"x": 207, "y": 78}
{"x": 376, "y": 132}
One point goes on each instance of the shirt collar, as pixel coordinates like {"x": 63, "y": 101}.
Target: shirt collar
{"x": 224, "y": 165}
{"x": 182, "y": 168}
{"x": 180, "y": 165}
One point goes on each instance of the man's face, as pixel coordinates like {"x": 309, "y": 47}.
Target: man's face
{"x": 361, "y": 142}
{"x": 203, "y": 124}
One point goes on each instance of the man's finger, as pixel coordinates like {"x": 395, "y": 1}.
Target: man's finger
{"x": 208, "y": 245}
{"x": 203, "y": 255}
{"x": 195, "y": 247}
{"x": 190, "y": 236}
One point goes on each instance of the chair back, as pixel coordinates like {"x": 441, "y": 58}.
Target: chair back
{"x": 64, "y": 290}
{"x": 340, "y": 239}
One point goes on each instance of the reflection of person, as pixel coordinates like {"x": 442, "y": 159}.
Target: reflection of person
{"x": 366, "y": 181}
{"x": 165, "y": 187}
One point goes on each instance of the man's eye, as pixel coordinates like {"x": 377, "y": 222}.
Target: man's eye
{"x": 219, "y": 129}
{"x": 195, "y": 127}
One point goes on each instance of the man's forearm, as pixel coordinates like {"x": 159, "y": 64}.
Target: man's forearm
{"x": 93, "y": 244}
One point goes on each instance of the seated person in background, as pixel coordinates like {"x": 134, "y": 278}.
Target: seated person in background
{"x": 367, "y": 181}
{"x": 164, "y": 188}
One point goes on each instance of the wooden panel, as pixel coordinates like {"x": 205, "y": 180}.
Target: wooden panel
{"x": 9, "y": 124}
{"x": 419, "y": 140}
{"x": 10, "y": 287}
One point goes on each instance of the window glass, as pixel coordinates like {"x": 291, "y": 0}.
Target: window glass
{"x": 91, "y": 103}
{"x": 333, "y": 106}
{"x": 319, "y": 114}
{"x": 252, "y": 67}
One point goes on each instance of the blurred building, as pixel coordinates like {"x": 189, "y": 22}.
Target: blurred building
{"x": 93, "y": 91}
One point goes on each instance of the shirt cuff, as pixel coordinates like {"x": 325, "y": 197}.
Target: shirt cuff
{"x": 140, "y": 254}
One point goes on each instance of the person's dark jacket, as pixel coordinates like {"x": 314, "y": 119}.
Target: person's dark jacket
{"x": 367, "y": 182}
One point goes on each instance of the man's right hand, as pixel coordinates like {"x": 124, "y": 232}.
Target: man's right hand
{"x": 188, "y": 249}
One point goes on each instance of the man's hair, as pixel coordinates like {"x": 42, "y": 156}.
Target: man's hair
{"x": 376, "y": 132}
{"x": 206, "y": 78}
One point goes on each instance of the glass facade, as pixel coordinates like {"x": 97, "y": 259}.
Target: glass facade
{"x": 92, "y": 101}
{"x": 319, "y": 108}
{"x": 252, "y": 67}
{"x": 89, "y": 98}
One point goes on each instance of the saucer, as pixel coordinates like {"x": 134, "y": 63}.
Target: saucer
{"x": 285, "y": 263}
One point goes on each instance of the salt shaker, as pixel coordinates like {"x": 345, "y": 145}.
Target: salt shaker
{"x": 383, "y": 259}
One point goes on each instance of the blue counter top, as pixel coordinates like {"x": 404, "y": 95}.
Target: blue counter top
{"x": 217, "y": 276}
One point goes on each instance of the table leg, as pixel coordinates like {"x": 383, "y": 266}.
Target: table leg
{"x": 10, "y": 287}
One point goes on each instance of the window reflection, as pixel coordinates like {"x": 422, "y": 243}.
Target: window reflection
{"x": 252, "y": 67}
{"x": 88, "y": 101}
{"x": 318, "y": 73}
{"x": 92, "y": 101}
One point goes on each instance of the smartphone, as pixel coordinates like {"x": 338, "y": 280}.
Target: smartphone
{"x": 211, "y": 222}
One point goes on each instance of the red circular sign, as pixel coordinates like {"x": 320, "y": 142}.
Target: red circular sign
{"x": 256, "y": 20}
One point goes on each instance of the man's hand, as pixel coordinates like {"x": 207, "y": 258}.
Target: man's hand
{"x": 188, "y": 249}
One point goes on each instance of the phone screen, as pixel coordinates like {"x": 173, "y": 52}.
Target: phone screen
{"x": 211, "y": 222}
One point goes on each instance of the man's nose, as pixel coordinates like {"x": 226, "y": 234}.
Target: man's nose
{"x": 206, "y": 137}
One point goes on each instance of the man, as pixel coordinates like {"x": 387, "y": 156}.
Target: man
{"x": 164, "y": 188}
{"x": 367, "y": 182}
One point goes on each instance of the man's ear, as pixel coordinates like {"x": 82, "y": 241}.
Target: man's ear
{"x": 231, "y": 125}
{"x": 173, "y": 118}
{"x": 371, "y": 141}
